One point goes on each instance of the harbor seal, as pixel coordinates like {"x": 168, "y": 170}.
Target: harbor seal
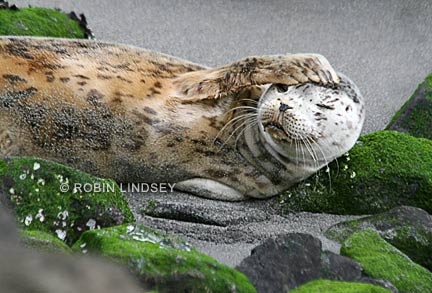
{"x": 252, "y": 128}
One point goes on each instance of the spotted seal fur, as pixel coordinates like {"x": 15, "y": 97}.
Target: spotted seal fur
{"x": 252, "y": 128}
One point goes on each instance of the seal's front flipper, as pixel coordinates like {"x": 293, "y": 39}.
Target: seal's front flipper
{"x": 209, "y": 189}
{"x": 284, "y": 69}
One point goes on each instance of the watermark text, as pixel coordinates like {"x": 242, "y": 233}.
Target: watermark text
{"x": 99, "y": 187}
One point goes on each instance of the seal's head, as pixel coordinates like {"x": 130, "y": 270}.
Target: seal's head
{"x": 311, "y": 124}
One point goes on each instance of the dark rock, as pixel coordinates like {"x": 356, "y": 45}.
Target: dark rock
{"x": 407, "y": 228}
{"x": 82, "y": 21}
{"x": 196, "y": 212}
{"x": 337, "y": 267}
{"x": 283, "y": 263}
{"x": 5, "y": 5}
{"x": 415, "y": 116}
{"x": 288, "y": 261}
{"x": 384, "y": 284}
{"x": 8, "y": 230}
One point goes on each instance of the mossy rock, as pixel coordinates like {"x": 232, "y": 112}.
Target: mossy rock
{"x": 327, "y": 286}
{"x": 42, "y": 241}
{"x": 163, "y": 262}
{"x": 381, "y": 260}
{"x": 39, "y": 22}
{"x": 384, "y": 170}
{"x": 44, "y": 198}
{"x": 409, "y": 229}
{"x": 415, "y": 116}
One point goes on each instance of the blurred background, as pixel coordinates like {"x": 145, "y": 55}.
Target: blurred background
{"x": 384, "y": 46}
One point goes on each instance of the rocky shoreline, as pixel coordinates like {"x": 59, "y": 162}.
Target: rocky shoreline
{"x": 363, "y": 224}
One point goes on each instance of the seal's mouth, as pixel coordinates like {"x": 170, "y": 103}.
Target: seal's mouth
{"x": 276, "y": 131}
{"x": 273, "y": 126}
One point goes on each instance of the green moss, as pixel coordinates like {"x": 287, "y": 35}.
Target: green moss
{"x": 34, "y": 189}
{"x": 43, "y": 241}
{"x": 415, "y": 116}
{"x": 385, "y": 169}
{"x": 163, "y": 261}
{"x": 2, "y": 166}
{"x": 429, "y": 81}
{"x": 38, "y": 22}
{"x": 380, "y": 260}
{"x": 327, "y": 286}
{"x": 410, "y": 233}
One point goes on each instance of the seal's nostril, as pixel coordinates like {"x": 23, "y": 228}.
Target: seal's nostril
{"x": 283, "y": 107}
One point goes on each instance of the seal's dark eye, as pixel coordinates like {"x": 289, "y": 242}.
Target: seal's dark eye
{"x": 281, "y": 87}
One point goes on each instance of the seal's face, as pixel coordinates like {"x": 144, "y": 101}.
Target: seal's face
{"x": 311, "y": 124}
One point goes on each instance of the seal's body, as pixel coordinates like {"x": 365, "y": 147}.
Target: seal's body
{"x": 249, "y": 129}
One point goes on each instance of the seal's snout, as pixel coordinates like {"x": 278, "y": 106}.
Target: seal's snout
{"x": 283, "y": 107}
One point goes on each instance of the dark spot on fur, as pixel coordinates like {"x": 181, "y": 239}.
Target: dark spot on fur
{"x": 355, "y": 99}
{"x": 124, "y": 66}
{"x": 328, "y": 107}
{"x": 199, "y": 141}
{"x": 136, "y": 141}
{"x": 94, "y": 97}
{"x": 145, "y": 118}
{"x": 158, "y": 85}
{"x": 49, "y": 77}
{"x": 50, "y": 65}
{"x": 123, "y": 79}
{"x": 104, "y": 76}
{"x": 214, "y": 173}
{"x": 18, "y": 48}
{"x": 81, "y": 76}
{"x": 82, "y": 83}
{"x": 64, "y": 79}
{"x": 205, "y": 152}
{"x": 142, "y": 80}
{"x": 14, "y": 78}
{"x": 102, "y": 68}
{"x": 150, "y": 110}
{"x": 120, "y": 94}
{"x": 348, "y": 108}
{"x": 116, "y": 100}
{"x": 153, "y": 91}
